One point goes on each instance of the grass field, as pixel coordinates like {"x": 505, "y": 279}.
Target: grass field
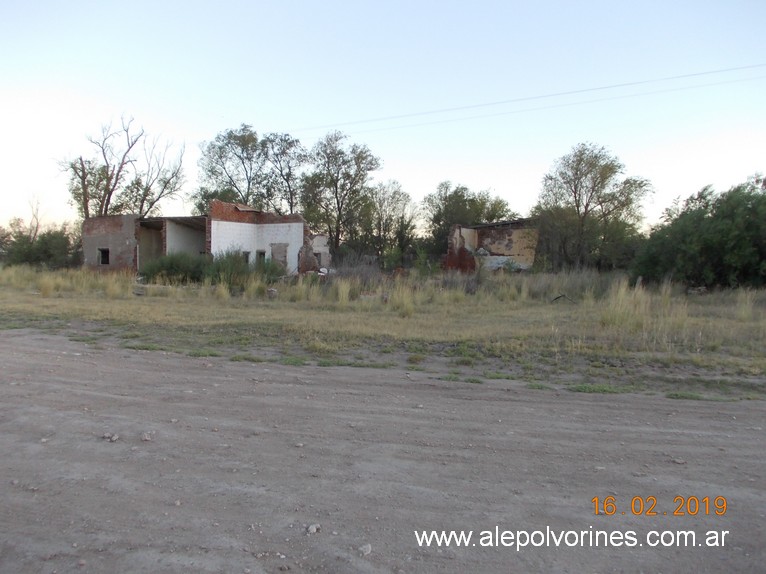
{"x": 600, "y": 335}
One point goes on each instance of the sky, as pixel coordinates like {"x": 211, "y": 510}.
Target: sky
{"x": 486, "y": 94}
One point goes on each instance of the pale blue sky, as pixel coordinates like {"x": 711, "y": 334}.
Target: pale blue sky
{"x": 188, "y": 70}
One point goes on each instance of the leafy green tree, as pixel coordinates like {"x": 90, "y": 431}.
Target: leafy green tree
{"x": 50, "y": 248}
{"x": 238, "y": 166}
{"x": 232, "y": 166}
{"x": 285, "y": 160}
{"x": 5, "y": 242}
{"x": 336, "y": 189}
{"x": 128, "y": 174}
{"x": 710, "y": 239}
{"x": 588, "y": 215}
{"x": 450, "y": 205}
{"x": 386, "y": 224}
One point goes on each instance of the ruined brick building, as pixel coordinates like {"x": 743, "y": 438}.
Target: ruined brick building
{"x": 130, "y": 242}
{"x": 504, "y": 244}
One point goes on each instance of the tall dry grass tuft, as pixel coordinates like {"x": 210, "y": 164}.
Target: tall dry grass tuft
{"x": 309, "y": 289}
{"x": 666, "y": 294}
{"x": 117, "y": 285}
{"x": 46, "y": 284}
{"x": 668, "y": 327}
{"x": 341, "y": 291}
{"x": 402, "y": 299}
{"x": 255, "y": 288}
{"x": 205, "y": 289}
{"x": 626, "y": 308}
{"x": 222, "y": 291}
{"x": 744, "y": 310}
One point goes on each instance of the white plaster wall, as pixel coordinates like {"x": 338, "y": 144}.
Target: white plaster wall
{"x": 183, "y": 239}
{"x": 471, "y": 238}
{"x": 290, "y": 233}
{"x": 321, "y": 246}
{"x": 230, "y": 235}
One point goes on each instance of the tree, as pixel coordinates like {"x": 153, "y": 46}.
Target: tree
{"x": 231, "y": 167}
{"x": 5, "y": 242}
{"x": 285, "y": 157}
{"x": 450, "y": 205}
{"x": 710, "y": 239}
{"x": 26, "y": 243}
{"x": 263, "y": 172}
{"x": 160, "y": 178}
{"x": 335, "y": 190}
{"x": 386, "y": 223}
{"x": 586, "y": 210}
{"x": 117, "y": 180}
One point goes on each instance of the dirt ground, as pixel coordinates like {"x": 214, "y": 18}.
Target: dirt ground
{"x": 221, "y": 466}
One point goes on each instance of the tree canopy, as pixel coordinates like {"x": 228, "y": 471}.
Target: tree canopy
{"x": 335, "y": 191}
{"x": 29, "y": 244}
{"x": 450, "y": 205}
{"x": 239, "y": 166}
{"x": 231, "y": 167}
{"x": 710, "y": 239}
{"x": 385, "y": 225}
{"x": 129, "y": 174}
{"x": 587, "y": 213}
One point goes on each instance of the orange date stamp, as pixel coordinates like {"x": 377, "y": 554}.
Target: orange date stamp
{"x": 647, "y": 506}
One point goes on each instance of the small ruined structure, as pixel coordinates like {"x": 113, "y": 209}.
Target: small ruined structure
{"x": 504, "y": 244}
{"x": 130, "y": 242}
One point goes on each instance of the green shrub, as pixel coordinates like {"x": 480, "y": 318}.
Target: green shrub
{"x": 177, "y": 268}
{"x": 232, "y": 269}
{"x": 269, "y": 271}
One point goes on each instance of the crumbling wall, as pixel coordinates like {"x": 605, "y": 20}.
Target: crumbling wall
{"x": 288, "y": 238}
{"x": 234, "y": 226}
{"x": 266, "y": 217}
{"x": 111, "y": 238}
{"x": 515, "y": 244}
{"x": 279, "y": 253}
{"x": 235, "y": 212}
{"x": 320, "y": 246}
{"x": 461, "y": 243}
{"x": 508, "y": 243}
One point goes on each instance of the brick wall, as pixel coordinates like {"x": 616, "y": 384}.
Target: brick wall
{"x": 115, "y": 233}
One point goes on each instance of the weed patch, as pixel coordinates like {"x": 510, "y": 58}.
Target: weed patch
{"x": 293, "y": 361}
{"x": 247, "y": 358}
{"x": 539, "y": 386}
{"x": 203, "y": 353}
{"x": 601, "y": 388}
{"x": 685, "y": 395}
{"x": 145, "y": 347}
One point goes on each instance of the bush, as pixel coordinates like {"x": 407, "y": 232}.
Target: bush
{"x": 177, "y": 268}
{"x": 269, "y": 271}
{"x": 710, "y": 240}
{"x": 51, "y": 249}
{"x": 232, "y": 269}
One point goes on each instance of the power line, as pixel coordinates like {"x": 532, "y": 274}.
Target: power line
{"x": 533, "y": 98}
{"x": 554, "y": 106}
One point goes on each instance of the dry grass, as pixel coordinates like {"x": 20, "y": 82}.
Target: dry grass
{"x": 506, "y": 316}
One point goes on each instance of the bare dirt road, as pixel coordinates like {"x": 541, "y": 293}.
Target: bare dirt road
{"x": 221, "y": 466}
